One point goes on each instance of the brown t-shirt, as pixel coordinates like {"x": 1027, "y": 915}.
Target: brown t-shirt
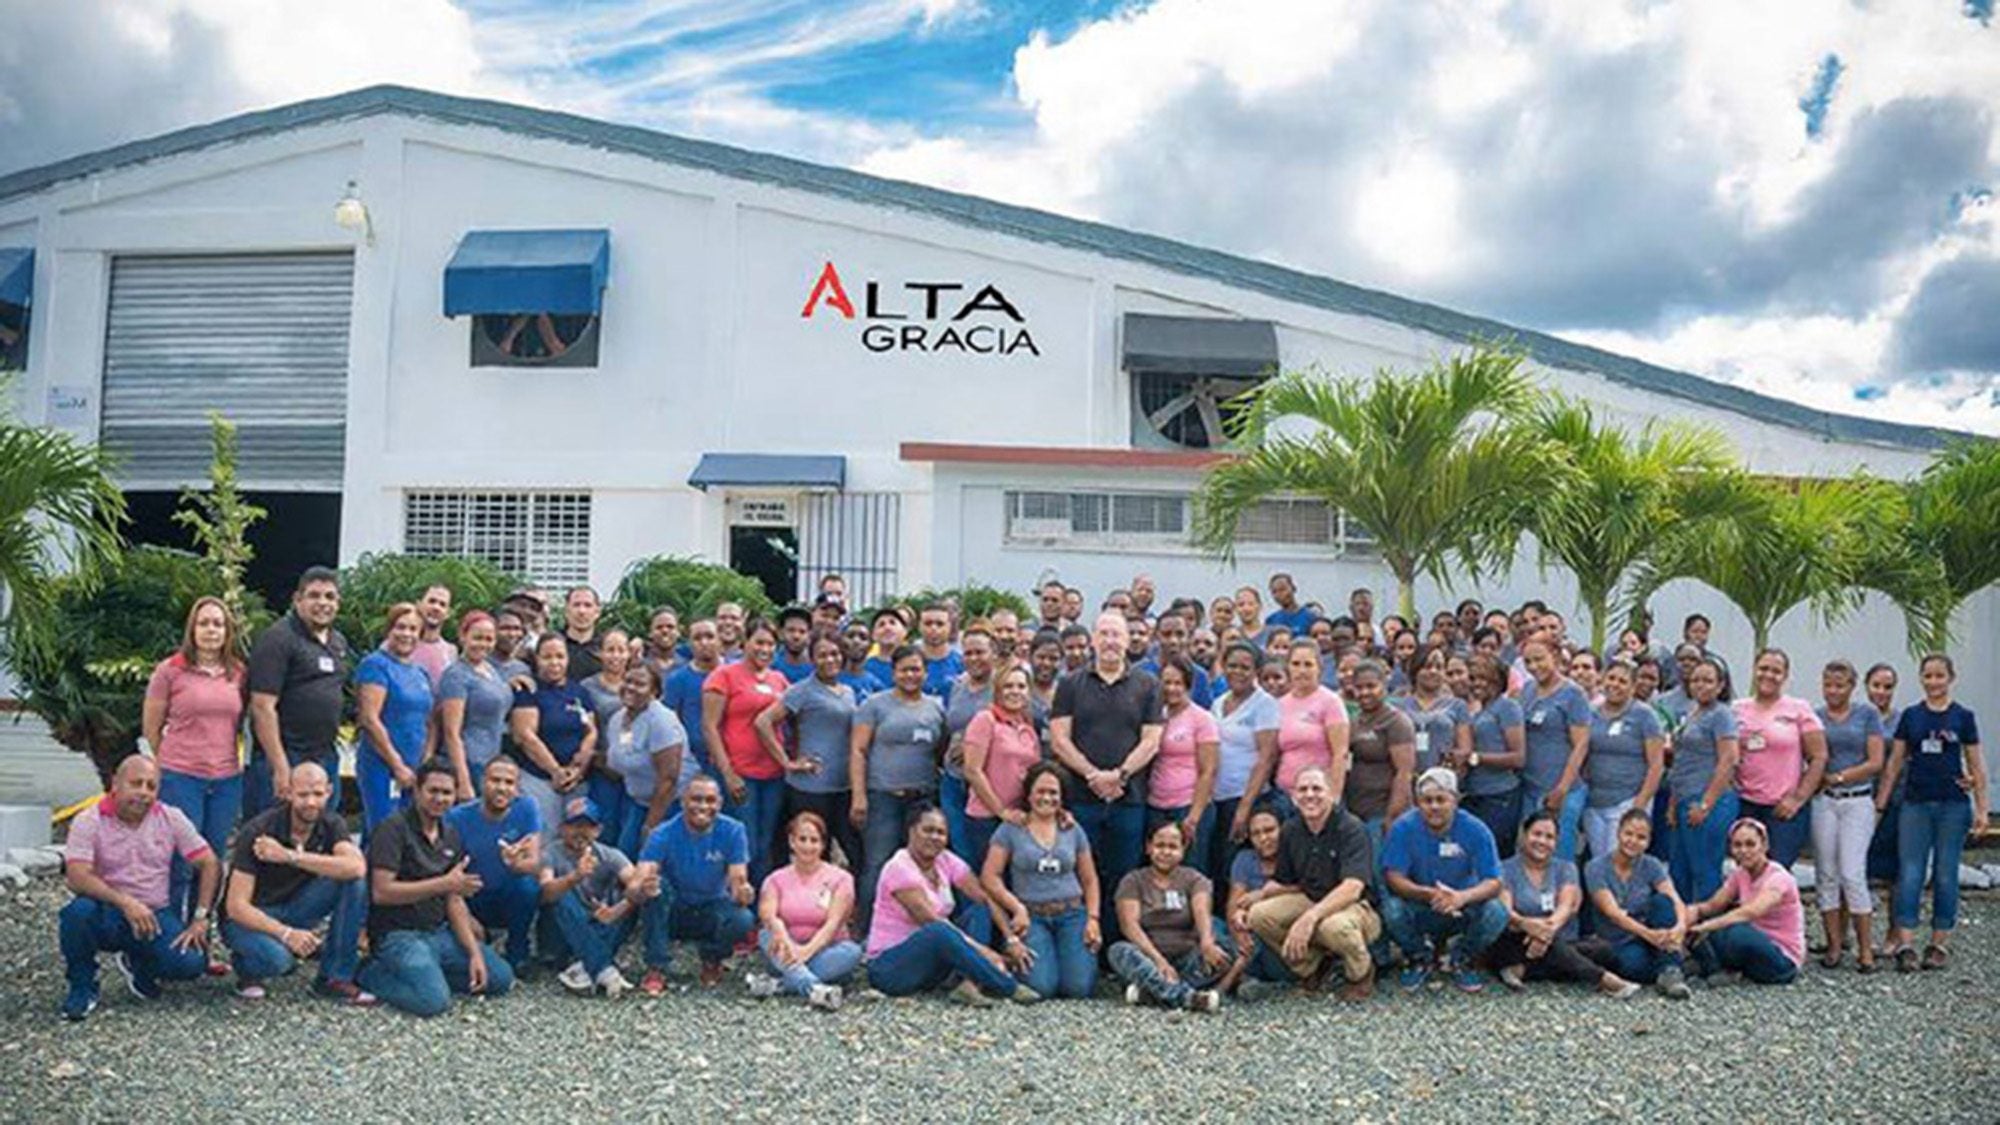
{"x": 1373, "y": 773}
{"x": 1166, "y": 913}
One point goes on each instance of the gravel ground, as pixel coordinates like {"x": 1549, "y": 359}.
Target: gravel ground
{"x": 1835, "y": 1046}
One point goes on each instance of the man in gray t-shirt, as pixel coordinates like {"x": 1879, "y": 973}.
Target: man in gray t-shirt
{"x": 584, "y": 886}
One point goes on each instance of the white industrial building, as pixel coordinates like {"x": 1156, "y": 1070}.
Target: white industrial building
{"x": 454, "y": 325}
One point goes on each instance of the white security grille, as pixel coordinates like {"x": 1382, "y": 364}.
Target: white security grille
{"x": 856, "y": 535}
{"x": 544, "y": 536}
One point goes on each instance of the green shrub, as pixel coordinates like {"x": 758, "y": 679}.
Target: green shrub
{"x": 377, "y": 581}
{"x": 974, "y": 600}
{"x": 689, "y": 586}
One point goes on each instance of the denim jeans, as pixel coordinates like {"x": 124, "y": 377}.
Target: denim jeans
{"x": 609, "y": 794}
{"x": 714, "y": 927}
{"x": 1746, "y": 949}
{"x": 1197, "y": 847}
{"x": 931, "y": 958}
{"x": 1420, "y": 931}
{"x": 881, "y": 835}
{"x": 87, "y": 927}
{"x": 379, "y": 801}
{"x": 1064, "y": 966}
{"x": 1567, "y": 820}
{"x": 1117, "y": 834}
{"x": 1788, "y": 837}
{"x": 760, "y": 810}
{"x": 1501, "y": 814}
{"x": 952, "y": 793}
{"x": 1215, "y": 861}
{"x": 1882, "y": 860}
{"x": 1931, "y": 829}
{"x": 1661, "y": 802}
{"x": 1629, "y": 957}
{"x": 509, "y": 906}
{"x": 1134, "y": 967}
{"x": 343, "y": 905}
{"x": 1695, "y": 853}
{"x": 418, "y": 970}
{"x": 584, "y": 938}
{"x": 257, "y": 792}
{"x": 212, "y": 804}
{"x": 831, "y": 965}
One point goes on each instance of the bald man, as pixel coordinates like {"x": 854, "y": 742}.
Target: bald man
{"x": 293, "y": 868}
{"x": 117, "y": 864}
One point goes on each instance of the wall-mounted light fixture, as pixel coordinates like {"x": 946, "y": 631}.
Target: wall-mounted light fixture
{"x": 352, "y": 214}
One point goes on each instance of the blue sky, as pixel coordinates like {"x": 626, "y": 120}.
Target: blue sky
{"x": 1797, "y": 198}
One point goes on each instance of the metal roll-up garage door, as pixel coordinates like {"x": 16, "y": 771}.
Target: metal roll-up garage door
{"x": 260, "y": 338}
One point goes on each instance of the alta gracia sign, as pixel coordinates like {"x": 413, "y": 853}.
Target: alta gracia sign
{"x": 931, "y": 317}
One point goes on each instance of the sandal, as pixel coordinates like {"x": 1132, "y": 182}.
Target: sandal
{"x": 1906, "y": 960}
{"x": 1830, "y": 961}
{"x": 1935, "y": 957}
{"x": 1865, "y": 967}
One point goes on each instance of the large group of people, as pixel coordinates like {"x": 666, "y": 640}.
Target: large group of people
{"x": 1202, "y": 800}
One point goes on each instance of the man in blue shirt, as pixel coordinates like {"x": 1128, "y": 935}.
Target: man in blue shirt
{"x": 1172, "y": 634}
{"x": 681, "y": 693}
{"x": 1289, "y": 613}
{"x": 854, "y": 645}
{"x": 694, "y": 881}
{"x": 942, "y": 661}
{"x": 1441, "y": 869}
{"x": 794, "y": 657}
{"x": 502, "y": 836}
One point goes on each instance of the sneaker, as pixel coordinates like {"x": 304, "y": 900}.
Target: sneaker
{"x": 711, "y": 975}
{"x": 1358, "y": 991}
{"x": 1253, "y": 990}
{"x": 250, "y": 990}
{"x": 968, "y": 994}
{"x": 1206, "y": 1000}
{"x": 613, "y": 983}
{"x": 1025, "y": 995}
{"x": 345, "y": 991}
{"x": 1133, "y": 996}
{"x": 1511, "y": 977}
{"x": 142, "y": 986}
{"x": 575, "y": 979}
{"x": 1627, "y": 990}
{"x": 654, "y": 983}
{"x": 1414, "y": 976}
{"x": 761, "y": 985}
{"x": 1673, "y": 985}
{"x": 81, "y": 1001}
{"x": 826, "y": 997}
{"x": 1468, "y": 979}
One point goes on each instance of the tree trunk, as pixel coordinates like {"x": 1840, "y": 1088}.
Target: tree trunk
{"x": 1406, "y": 595}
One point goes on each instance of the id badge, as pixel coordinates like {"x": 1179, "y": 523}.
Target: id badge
{"x": 1753, "y": 743}
{"x": 1615, "y": 729}
{"x": 1450, "y": 849}
{"x": 765, "y": 689}
{"x": 326, "y": 664}
{"x": 1423, "y": 742}
{"x": 1536, "y": 718}
{"x": 625, "y": 738}
{"x": 1931, "y": 745}
{"x": 1548, "y": 903}
{"x": 1173, "y": 900}
{"x": 1049, "y": 865}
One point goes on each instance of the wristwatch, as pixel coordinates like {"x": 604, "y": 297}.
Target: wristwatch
{"x": 1474, "y": 759}
{"x": 201, "y": 914}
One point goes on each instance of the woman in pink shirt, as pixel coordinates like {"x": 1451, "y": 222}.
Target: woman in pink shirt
{"x": 1000, "y": 744}
{"x": 1312, "y": 728}
{"x": 803, "y": 915}
{"x": 1183, "y": 780}
{"x": 194, "y": 705}
{"x": 1753, "y": 925}
{"x": 1783, "y": 754}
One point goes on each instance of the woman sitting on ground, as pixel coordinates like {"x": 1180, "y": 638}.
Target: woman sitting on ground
{"x": 1249, "y": 874}
{"x": 1641, "y": 922}
{"x": 1542, "y": 895}
{"x": 1175, "y": 949}
{"x": 802, "y": 918}
{"x": 913, "y": 946}
{"x": 1754, "y": 925}
{"x": 1042, "y": 882}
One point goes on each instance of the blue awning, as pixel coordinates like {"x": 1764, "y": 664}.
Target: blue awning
{"x": 17, "y": 275}
{"x": 770, "y": 470}
{"x": 528, "y": 271}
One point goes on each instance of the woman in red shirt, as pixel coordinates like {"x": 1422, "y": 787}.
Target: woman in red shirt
{"x": 194, "y": 705}
{"x": 753, "y": 782}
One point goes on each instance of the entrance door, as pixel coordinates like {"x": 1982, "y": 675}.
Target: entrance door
{"x": 771, "y": 556}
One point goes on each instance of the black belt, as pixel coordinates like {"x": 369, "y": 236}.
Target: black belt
{"x": 1858, "y": 789}
{"x": 1051, "y": 909}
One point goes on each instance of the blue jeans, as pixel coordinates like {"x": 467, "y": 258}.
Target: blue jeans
{"x": 418, "y": 970}
{"x": 831, "y": 965}
{"x": 1501, "y": 814}
{"x": 1221, "y": 853}
{"x": 715, "y": 927}
{"x": 762, "y": 808}
{"x": 257, "y": 795}
{"x": 1661, "y": 801}
{"x": 1927, "y": 829}
{"x": 1566, "y": 820}
{"x": 1117, "y": 835}
{"x": 1064, "y": 966}
{"x": 259, "y": 956}
{"x": 378, "y": 800}
{"x": 1197, "y": 847}
{"x": 509, "y": 905}
{"x": 1419, "y": 931}
{"x": 1629, "y": 957}
{"x": 931, "y": 958}
{"x": 1882, "y": 859}
{"x": 1135, "y": 967}
{"x": 1788, "y": 837}
{"x": 212, "y": 804}
{"x": 586, "y": 939}
{"x": 1746, "y": 949}
{"x": 952, "y": 794}
{"x": 630, "y": 834}
{"x": 87, "y": 927}
{"x": 881, "y": 835}
{"x": 1695, "y": 854}
{"x": 609, "y": 794}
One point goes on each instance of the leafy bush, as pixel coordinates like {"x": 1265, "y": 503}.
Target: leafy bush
{"x": 377, "y": 581}
{"x": 88, "y": 688}
{"x": 689, "y": 586}
{"x": 973, "y": 600}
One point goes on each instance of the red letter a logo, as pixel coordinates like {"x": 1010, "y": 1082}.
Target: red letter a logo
{"x": 828, "y": 289}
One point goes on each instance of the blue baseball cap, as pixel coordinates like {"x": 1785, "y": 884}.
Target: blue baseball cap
{"x": 582, "y": 808}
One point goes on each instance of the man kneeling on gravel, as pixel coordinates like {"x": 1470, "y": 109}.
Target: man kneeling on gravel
{"x": 423, "y": 946}
{"x": 117, "y": 862}
{"x": 292, "y": 868}
{"x": 1316, "y": 902}
{"x": 584, "y": 888}
{"x": 694, "y": 878}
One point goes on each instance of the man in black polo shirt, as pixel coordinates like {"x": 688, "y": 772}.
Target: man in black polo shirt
{"x": 581, "y": 610}
{"x": 294, "y": 867}
{"x": 422, "y": 943}
{"x": 1105, "y": 728}
{"x": 298, "y": 669}
{"x": 1316, "y": 903}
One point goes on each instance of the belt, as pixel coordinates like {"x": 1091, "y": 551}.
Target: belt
{"x": 1051, "y": 909}
{"x": 1858, "y": 789}
{"x": 908, "y": 794}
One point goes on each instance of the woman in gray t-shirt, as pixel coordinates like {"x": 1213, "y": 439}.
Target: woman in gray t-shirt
{"x": 892, "y": 762}
{"x": 1043, "y": 883}
{"x": 1543, "y": 895}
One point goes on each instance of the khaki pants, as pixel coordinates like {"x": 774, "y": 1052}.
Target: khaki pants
{"x": 1345, "y": 934}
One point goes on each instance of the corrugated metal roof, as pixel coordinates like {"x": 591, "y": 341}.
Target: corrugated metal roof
{"x": 1021, "y": 222}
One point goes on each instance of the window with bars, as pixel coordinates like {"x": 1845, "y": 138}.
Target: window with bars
{"x": 1162, "y": 519}
{"x": 543, "y": 536}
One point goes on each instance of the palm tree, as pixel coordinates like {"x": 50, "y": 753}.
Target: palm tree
{"x": 1779, "y": 545}
{"x": 1428, "y": 462}
{"x": 59, "y": 510}
{"x": 1951, "y": 541}
{"x": 1621, "y": 492}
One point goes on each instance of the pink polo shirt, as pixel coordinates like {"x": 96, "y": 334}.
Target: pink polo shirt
{"x": 1785, "y": 923}
{"x": 804, "y": 904}
{"x": 1175, "y": 769}
{"x": 133, "y": 859}
{"x": 891, "y": 924}
{"x": 1302, "y": 740}
{"x": 1773, "y": 747}
{"x": 204, "y": 710}
{"x": 1011, "y": 747}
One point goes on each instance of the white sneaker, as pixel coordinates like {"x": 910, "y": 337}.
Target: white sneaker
{"x": 1206, "y": 1000}
{"x": 575, "y": 978}
{"x": 968, "y": 994}
{"x": 826, "y": 997}
{"x": 613, "y": 982}
{"x": 761, "y": 985}
{"x": 1512, "y": 978}
{"x": 1133, "y": 996}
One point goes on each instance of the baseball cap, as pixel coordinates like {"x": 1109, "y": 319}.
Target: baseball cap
{"x": 581, "y": 808}
{"x": 1440, "y": 777}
